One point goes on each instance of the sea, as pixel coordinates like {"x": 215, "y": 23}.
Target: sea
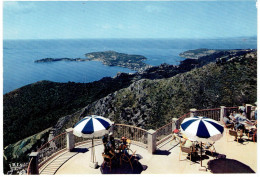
{"x": 19, "y": 68}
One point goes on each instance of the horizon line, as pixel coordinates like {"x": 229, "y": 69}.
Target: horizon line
{"x": 135, "y": 38}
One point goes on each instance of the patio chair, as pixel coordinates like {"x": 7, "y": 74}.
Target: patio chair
{"x": 236, "y": 134}
{"x": 252, "y": 134}
{"x": 228, "y": 126}
{"x": 210, "y": 147}
{"x": 128, "y": 146}
{"x": 190, "y": 149}
{"x": 108, "y": 160}
{"x": 127, "y": 158}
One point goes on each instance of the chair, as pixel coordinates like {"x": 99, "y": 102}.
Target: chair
{"x": 127, "y": 158}
{"x": 252, "y": 134}
{"x": 188, "y": 150}
{"x": 228, "y": 126}
{"x": 236, "y": 134}
{"x": 128, "y": 141}
{"x": 108, "y": 160}
{"x": 210, "y": 147}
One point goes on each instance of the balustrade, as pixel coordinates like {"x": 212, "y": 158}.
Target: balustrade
{"x": 210, "y": 113}
{"x": 137, "y": 135}
{"x": 47, "y": 150}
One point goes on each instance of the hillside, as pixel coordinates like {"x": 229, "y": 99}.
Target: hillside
{"x": 147, "y": 99}
{"x": 38, "y": 106}
{"x": 197, "y": 53}
{"x": 152, "y": 103}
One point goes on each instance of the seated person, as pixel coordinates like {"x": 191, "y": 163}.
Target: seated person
{"x": 227, "y": 120}
{"x": 124, "y": 140}
{"x": 112, "y": 141}
{"x": 175, "y": 134}
{"x": 187, "y": 143}
{"x": 104, "y": 140}
{"x": 109, "y": 150}
{"x": 240, "y": 121}
{"x": 232, "y": 116}
{"x": 123, "y": 146}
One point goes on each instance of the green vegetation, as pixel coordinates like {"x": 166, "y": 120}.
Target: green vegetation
{"x": 20, "y": 150}
{"x": 35, "y": 107}
{"x": 197, "y": 53}
{"x": 148, "y": 99}
{"x": 44, "y": 60}
{"x": 112, "y": 58}
{"x": 152, "y": 103}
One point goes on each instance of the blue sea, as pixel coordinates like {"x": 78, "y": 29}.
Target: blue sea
{"x": 19, "y": 68}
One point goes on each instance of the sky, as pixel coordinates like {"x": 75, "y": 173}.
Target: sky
{"x": 129, "y": 19}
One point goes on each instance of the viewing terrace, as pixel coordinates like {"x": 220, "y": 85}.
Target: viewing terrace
{"x": 155, "y": 152}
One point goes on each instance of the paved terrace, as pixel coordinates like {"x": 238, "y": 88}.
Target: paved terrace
{"x": 241, "y": 157}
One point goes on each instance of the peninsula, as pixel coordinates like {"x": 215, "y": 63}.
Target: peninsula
{"x": 197, "y": 53}
{"x": 45, "y": 60}
{"x": 109, "y": 58}
{"x": 112, "y": 58}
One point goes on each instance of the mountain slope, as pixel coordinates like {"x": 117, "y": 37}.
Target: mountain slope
{"x": 148, "y": 99}
{"x": 152, "y": 103}
{"x": 38, "y": 106}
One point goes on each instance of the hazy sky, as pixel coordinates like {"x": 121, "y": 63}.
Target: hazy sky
{"x": 168, "y": 19}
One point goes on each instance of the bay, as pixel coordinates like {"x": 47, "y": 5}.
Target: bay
{"x": 19, "y": 68}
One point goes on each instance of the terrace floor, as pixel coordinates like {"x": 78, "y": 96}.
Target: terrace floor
{"x": 241, "y": 157}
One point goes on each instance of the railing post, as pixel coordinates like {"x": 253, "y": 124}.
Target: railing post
{"x": 151, "y": 141}
{"x": 222, "y": 113}
{"x": 70, "y": 139}
{"x": 34, "y": 163}
{"x": 252, "y": 115}
{"x": 174, "y": 123}
{"x": 248, "y": 111}
{"x": 193, "y": 112}
{"x": 112, "y": 127}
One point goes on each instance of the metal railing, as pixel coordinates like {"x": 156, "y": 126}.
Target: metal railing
{"x": 52, "y": 148}
{"x": 210, "y": 113}
{"x": 231, "y": 109}
{"x": 164, "y": 133}
{"x": 137, "y": 135}
{"x": 28, "y": 168}
{"x": 179, "y": 121}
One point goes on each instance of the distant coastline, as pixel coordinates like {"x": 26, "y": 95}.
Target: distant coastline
{"x": 109, "y": 58}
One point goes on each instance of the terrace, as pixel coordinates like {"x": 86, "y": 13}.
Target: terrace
{"x": 155, "y": 151}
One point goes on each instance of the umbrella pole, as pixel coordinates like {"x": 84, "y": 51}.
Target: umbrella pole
{"x": 92, "y": 151}
{"x": 201, "y": 154}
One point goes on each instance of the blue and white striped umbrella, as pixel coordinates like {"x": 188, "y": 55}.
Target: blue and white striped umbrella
{"x": 202, "y": 129}
{"x": 92, "y": 126}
